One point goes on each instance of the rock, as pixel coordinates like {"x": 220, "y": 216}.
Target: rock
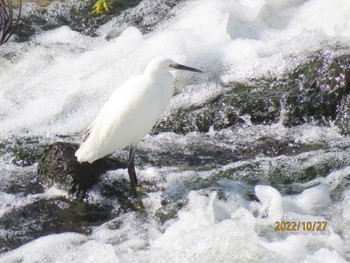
{"x": 44, "y": 216}
{"x": 46, "y": 15}
{"x": 315, "y": 92}
{"x": 48, "y": 216}
{"x": 58, "y": 165}
{"x": 146, "y": 16}
{"x": 343, "y": 117}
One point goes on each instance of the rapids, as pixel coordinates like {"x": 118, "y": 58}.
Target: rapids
{"x": 210, "y": 196}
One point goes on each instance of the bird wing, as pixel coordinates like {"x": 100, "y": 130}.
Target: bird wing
{"x": 86, "y": 133}
{"x": 120, "y": 122}
{"x": 115, "y": 99}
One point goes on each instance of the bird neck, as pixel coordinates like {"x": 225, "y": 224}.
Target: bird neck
{"x": 163, "y": 77}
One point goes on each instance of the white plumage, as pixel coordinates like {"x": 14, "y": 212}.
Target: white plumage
{"x": 131, "y": 112}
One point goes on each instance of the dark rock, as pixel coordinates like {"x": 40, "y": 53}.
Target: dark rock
{"x": 58, "y": 165}
{"x": 315, "y": 92}
{"x": 343, "y": 117}
{"x": 80, "y": 18}
{"x": 45, "y": 217}
{"x": 146, "y": 16}
{"x": 317, "y": 89}
{"x": 36, "y": 19}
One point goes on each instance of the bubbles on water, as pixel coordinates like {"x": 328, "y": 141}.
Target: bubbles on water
{"x": 208, "y": 228}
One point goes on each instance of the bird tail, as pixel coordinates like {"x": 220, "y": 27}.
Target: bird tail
{"x": 85, "y": 153}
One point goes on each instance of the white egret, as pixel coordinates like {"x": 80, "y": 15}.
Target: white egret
{"x": 130, "y": 113}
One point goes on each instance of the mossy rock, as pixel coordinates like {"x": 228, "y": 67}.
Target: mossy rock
{"x": 315, "y": 92}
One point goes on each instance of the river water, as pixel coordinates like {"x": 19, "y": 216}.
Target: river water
{"x": 208, "y": 199}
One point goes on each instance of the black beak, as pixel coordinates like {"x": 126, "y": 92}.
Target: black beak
{"x": 179, "y": 66}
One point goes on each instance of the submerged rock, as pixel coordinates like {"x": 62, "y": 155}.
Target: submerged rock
{"x": 24, "y": 151}
{"x": 58, "y": 165}
{"x": 48, "y": 216}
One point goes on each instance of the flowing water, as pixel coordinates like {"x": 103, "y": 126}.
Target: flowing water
{"x": 210, "y": 196}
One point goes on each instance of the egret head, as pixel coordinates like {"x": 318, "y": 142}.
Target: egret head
{"x": 161, "y": 65}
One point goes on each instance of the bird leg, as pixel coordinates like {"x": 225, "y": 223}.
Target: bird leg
{"x": 131, "y": 170}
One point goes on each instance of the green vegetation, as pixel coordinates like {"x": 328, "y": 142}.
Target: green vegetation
{"x": 100, "y": 7}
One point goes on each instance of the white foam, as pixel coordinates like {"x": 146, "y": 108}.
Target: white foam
{"x": 313, "y": 16}
{"x": 324, "y": 256}
{"x": 198, "y": 236}
{"x": 60, "y": 248}
{"x": 313, "y": 201}
{"x": 208, "y": 229}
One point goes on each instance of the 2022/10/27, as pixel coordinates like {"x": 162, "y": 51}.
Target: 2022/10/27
{"x": 300, "y": 225}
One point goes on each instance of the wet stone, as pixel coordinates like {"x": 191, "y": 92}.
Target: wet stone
{"x": 46, "y": 15}
{"x": 45, "y": 217}
{"x": 55, "y": 215}
{"x": 315, "y": 92}
{"x": 58, "y": 165}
